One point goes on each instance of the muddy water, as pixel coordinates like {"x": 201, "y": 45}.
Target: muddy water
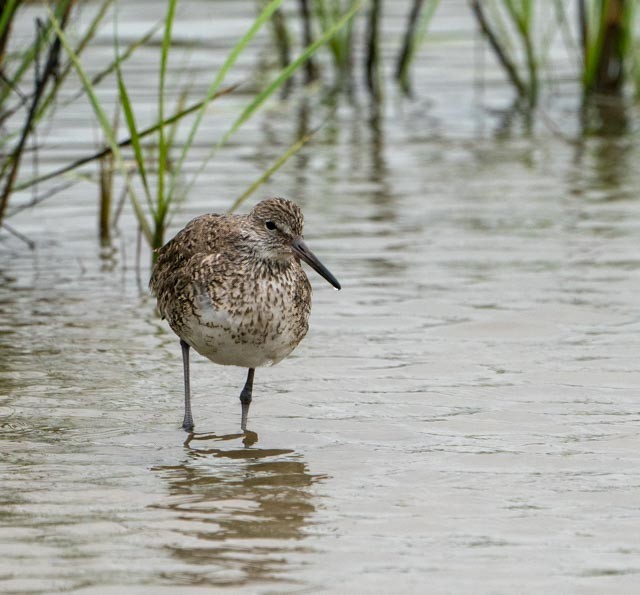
{"x": 463, "y": 416}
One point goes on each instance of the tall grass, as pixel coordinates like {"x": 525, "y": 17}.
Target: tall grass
{"x": 328, "y": 13}
{"x": 607, "y": 43}
{"x": 604, "y": 36}
{"x": 284, "y": 75}
{"x": 509, "y": 27}
{"x": 154, "y": 211}
{"x": 40, "y": 61}
{"x": 520, "y": 34}
{"x": 27, "y": 105}
{"x": 107, "y": 127}
{"x": 310, "y": 68}
{"x": 373, "y": 58}
{"x": 417, "y": 24}
{"x": 105, "y": 181}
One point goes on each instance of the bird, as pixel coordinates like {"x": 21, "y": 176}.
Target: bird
{"x": 232, "y": 287}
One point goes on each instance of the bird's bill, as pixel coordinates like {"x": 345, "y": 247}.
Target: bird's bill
{"x": 301, "y": 250}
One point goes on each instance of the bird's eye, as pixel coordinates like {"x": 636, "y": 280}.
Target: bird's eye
{"x": 270, "y": 225}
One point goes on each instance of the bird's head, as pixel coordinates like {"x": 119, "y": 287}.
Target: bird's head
{"x": 278, "y": 224}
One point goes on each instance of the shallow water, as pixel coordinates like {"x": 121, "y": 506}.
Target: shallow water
{"x": 461, "y": 418}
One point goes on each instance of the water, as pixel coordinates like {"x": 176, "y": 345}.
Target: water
{"x": 461, "y": 418}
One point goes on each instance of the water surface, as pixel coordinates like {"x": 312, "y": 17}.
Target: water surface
{"x": 462, "y": 417}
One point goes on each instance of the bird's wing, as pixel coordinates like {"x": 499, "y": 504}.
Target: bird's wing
{"x": 200, "y": 236}
{"x": 200, "y": 284}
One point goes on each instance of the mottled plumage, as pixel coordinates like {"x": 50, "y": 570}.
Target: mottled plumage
{"x": 232, "y": 287}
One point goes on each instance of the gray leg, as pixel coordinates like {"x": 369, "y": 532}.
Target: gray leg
{"x": 187, "y": 423}
{"x": 245, "y": 398}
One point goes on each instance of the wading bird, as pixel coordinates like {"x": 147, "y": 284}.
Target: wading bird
{"x": 232, "y": 287}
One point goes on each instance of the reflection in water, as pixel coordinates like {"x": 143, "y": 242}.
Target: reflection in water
{"x": 240, "y": 509}
{"x": 605, "y": 116}
{"x": 603, "y": 160}
{"x": 611, "y": 156}
{"x": 379, "y": 170}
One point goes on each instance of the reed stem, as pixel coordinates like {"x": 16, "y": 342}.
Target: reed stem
{"x": 372, "y": 59}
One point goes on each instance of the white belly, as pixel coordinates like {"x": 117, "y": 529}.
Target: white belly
{"x": 265, "y": 336}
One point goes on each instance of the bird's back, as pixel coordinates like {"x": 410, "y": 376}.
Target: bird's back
{"x": 202, "y": 235}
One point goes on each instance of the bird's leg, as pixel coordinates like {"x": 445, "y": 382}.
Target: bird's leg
{"x": 187, "y": 422}
{"x": 245, "y": 398}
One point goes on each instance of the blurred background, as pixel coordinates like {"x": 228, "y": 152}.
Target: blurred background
{"x": 461, "y": 417}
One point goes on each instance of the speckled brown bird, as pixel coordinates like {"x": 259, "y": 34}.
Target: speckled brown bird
{"x": 232, "y": 287}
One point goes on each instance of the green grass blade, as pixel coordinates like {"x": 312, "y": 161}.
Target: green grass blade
{"x": 104, "y": 122}
{"x": 162, "y": 144}
{"x": 284, "y": 74}
{"x": 89, "y": 34}
{"x": 414, "y": 38}
{"x": 95, "y": 104}
{"x": 501, "y": 28}
{"x": 274, "y": 167}
{"x": 7, "y": 13}
{"x": 513, "y": 12}
{"x": 263, "y": 17}
{"x": 425, "y": 20}
{"x": 25, "y": 63}
{"x": 325, "y": 20}
{"x": 131, "y": 48}
{"x": 595, "y": 41}
{"x": 30, "y": 55}
{"x": 180, "y": 104}
{"x": 127, "y": 108}
{"x": 123, "y": 143}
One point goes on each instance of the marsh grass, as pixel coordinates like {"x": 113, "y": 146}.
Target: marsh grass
{"x": 150, "y": 162}
{"x": 40, "y": 61}
{"x": 340, "y": 46}
{"x": 274, "y": 167}
{"x": 604, "y": 36}
{"x": 418, "y": 21}
{"x": 106, "y": 174}
{"x": 153, "y": 211}
{"x": 510, "y": 28}
{"x": 45, "y": 46}
{"x": 608, "y": 45}
{"x": 319, "y": 16}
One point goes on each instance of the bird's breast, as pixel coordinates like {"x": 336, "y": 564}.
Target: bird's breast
{"x": 253, "y": 321}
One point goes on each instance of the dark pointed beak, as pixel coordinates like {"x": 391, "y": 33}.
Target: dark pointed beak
{"x": 301, "y": 250}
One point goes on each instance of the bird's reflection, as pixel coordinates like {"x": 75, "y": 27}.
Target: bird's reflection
{"x": 239, "y": 509}
{"x": 248, "y": 438}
